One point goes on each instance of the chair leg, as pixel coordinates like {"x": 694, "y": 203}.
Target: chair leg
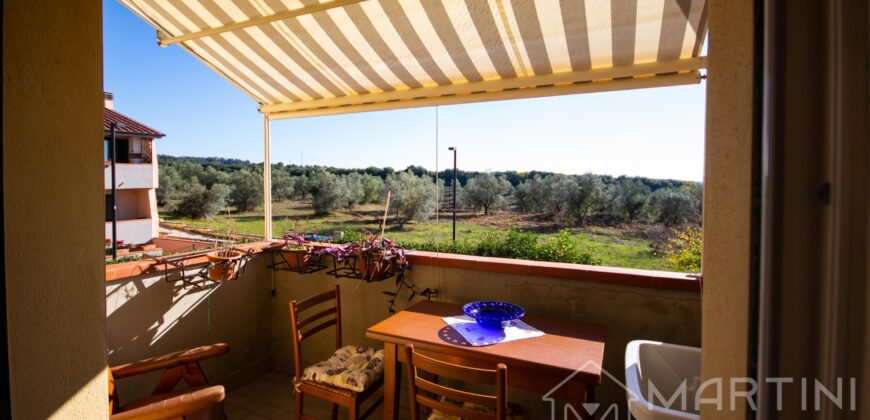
{"x": 298, "y": 405}
{"x": 335, "y": 412}
{"x": 352, "y": 411}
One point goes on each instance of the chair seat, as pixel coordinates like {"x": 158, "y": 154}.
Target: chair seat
{"x": 349, "y": 368}
{"x": 514, "y": 411}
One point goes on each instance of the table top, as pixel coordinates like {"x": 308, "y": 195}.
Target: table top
{"x": 567, "y": 346}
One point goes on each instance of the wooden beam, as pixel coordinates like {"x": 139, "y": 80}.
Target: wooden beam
{"x": 262, "y": 20}
{"x": 643, "y": 82}
{"x": 684, "y": 65}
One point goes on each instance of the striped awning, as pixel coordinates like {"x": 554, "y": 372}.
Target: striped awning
{"x": 304, "y": 57}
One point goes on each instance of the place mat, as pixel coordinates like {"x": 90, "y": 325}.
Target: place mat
{"x": 478, "y": 336}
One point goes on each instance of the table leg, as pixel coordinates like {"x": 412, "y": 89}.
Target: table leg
{"x": 392, "y": 381}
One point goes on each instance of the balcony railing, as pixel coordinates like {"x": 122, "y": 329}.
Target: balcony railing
{"x": 134, "y": 231}
{"x": 148, "y": 316}
{"x": 131, "y": 175}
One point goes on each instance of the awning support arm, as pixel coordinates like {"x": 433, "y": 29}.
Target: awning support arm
{"x": 262, "y": 20}
{"x": 267, "y": 180}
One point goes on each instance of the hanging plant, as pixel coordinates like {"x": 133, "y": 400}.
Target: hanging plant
{"x": 296, "y": 251}
{"x": 223, "y": 264}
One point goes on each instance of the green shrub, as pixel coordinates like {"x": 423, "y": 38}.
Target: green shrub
{"x": 517, "y": 244}
{"x": 683, "y": 251}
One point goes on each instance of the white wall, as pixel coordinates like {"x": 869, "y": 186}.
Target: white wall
{"x": 130, "y": 175}
{"x": 134, "y": 231}
{"x": 146, "y": 317}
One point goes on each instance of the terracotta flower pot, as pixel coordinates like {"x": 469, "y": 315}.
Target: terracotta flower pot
{"x": 373, "y": 268}
{"x": 223, "y": 264}
{"x": 297, "y": 259}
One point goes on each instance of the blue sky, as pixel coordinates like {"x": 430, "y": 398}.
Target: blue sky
{"x": 657, "y": 133}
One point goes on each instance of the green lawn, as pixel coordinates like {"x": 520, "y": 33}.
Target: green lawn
{"x": 612, "y": 247}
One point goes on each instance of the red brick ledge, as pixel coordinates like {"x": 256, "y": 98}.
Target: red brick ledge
{"x": 592, "y": 273}
{"x": 611, "y": 275}
{"x": 148, "y": 265}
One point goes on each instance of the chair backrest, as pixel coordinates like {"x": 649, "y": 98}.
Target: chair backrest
{"x": 496, "y": 402}
{"x": 302, "y": 327}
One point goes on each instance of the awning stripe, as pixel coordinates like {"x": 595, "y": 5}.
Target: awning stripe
{"x": 386, "y": 55}
{"x": 648, "y": 35}
{"x": 533, "y": 39}
{"x": 484, "y": 23}
{"x": 305, "y": 66}
{"x": 282, "y": 55}
{"x": 346, "y": 48}
{"x": 700, "y": 31}
{"x": 208, "y": 47}
{"x": 675, "y": 18}
{"x": 311, "y": 56}
{"x": 278, "y": 87}
{"x": 600, "y": 29}
{"x": 625, "y": 25}
{"x": 308, "y": 41}
{"x": 447, "y": 34}
{"x": 576, "y": 35}
{"x": 691, "y": 33}
{"x": 395, "y": 43}
{"x": 510, "y": 36}
{"x": 463, "y": 24}
{"x": 412, "y": 41}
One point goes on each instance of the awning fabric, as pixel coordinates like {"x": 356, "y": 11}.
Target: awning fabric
{"x": 303, "y": 57}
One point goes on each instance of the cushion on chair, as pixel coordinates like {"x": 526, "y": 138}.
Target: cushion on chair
{"x": 514, "y": 411}
{"x": 350, "y": 367}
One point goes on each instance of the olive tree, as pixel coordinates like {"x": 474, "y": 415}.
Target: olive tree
{"x": 282, "y": 186}
{"x": 674, "y": 207}
{"x": 328, "y": 191}
{"x": 588, "y": 194}
{"x": 531, "y": 195}
{"x": 247, "y": 191}
{"x": 198, "y": 201}
{"x": 169, "y": 183}
{"x": 412, "y": 197}
{"x": 631, "y": 197}
{"x": 485, "y": 191}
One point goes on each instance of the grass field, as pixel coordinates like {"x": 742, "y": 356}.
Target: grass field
{"x": 614, "y": 246}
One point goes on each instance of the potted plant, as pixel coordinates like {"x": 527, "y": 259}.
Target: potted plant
{"x": 223, "y": 264}
{"x": 375, "y": 257}
{"x": 121, "y": 249}
{"x": 296, "y": 251}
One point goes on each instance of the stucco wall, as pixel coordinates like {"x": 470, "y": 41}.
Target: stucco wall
{"x": 148, "y": 317}
{"x": 727, "y": 198}
{"x": 53, "y": 193}
{"x": 628, "y": 312}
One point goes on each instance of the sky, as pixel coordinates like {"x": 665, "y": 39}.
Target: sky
{"x": 657, "y": 133}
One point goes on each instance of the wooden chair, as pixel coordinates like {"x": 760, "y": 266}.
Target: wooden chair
{"x": 497, "y": 403}
{"x": 197, "y": 401}
{"x": 301, "y": 330}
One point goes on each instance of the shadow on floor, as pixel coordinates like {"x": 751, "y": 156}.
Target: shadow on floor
{"x": 271, "y": 397}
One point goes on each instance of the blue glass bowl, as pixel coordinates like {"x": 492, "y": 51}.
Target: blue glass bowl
{"x": 493, "y": 314}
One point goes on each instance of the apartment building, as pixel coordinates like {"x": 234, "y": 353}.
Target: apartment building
{"x": 135, "y": 176}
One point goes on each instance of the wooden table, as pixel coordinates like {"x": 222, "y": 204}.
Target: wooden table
{"x": 569, "y": 352}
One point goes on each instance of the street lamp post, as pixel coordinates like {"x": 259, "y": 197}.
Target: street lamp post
{"x": 455, "y": 185}
{"x": 112, "y": 146}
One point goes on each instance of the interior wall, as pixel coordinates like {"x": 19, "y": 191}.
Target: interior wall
{"x": 727, "y": 200}
{"x": 629, "y": 313}
{"x": 148, "y": 317}
{"x": 53, "y": 194}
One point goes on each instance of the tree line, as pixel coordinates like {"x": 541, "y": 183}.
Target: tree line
{"x": 203, "y": 187}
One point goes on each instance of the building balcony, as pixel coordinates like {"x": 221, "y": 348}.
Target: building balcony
{"x": 148, "y": 316}
{"x": 131, "y": 176}
{"x": 134, "y": 231}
